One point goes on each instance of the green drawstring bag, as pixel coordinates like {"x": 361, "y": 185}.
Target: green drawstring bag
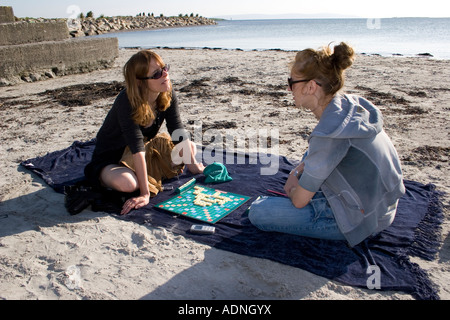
{"x": 216, "y": 173}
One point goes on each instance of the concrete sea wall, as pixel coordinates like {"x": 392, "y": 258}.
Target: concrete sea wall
{"x": 33, "y": 51}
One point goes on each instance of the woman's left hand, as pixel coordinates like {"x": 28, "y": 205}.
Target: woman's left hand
{"x": 135, "y": 203}
{"x": 292, "y": 181}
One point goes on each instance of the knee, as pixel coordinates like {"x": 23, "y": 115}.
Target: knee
{"x": 126, "y": 184}
{"x": 252, "y": 216}
{"x": 119, "y": 178}
{"x": 257, "y": 213}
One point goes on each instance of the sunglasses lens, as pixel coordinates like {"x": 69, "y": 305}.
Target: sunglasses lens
{"x": 160, "y": 72}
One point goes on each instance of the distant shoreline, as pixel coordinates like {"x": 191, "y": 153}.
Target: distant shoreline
{"x": 310, "y": 17}
{"x": 424, "y": 55}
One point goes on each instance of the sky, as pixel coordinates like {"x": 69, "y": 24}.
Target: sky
{"x": 232, "y": 8}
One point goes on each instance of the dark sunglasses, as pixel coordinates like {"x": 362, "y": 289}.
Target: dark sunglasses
{"x": 158, "y": 74}
{"x": 292, "y": 82}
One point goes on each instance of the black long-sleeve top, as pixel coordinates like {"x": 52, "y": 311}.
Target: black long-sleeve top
{"x": 119, "y": 129}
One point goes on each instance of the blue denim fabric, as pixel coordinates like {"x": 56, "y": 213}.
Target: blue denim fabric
{"x": 278, "y": 214}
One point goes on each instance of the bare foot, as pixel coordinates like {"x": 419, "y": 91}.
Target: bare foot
{"x": 195, "y": 168}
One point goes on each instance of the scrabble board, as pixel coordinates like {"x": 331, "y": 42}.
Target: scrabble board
{"x": 203, "y": 203}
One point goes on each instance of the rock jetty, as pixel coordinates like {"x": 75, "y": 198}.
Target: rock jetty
{"x": 93, "y": 26}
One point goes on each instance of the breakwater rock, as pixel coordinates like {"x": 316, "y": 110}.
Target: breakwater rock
{"x": 94, "y": 26}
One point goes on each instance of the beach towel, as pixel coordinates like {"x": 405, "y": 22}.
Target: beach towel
{"x": 379, "y": 263}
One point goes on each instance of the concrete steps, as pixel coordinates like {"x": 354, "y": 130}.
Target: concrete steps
{"x": 36, "y": 51}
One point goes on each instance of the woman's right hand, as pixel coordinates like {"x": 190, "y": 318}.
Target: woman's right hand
{"x": 135, "y": 203}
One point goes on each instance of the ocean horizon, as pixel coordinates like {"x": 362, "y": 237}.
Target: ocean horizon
{"x": 429, "y": 37}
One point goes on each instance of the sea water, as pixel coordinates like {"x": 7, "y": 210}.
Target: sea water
{"x": 393, "y": 36}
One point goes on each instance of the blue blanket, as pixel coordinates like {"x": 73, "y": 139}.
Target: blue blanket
{"x": 381, "y": 262}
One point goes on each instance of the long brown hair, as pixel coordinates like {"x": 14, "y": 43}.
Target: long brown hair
{"x": 325, "y": 66}
{"x": 137, "y": 90}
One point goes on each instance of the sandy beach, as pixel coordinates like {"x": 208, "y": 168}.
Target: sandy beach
{"x": 47, "y": 254}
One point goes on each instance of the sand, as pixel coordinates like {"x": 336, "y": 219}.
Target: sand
{"x": 47, "y": 254}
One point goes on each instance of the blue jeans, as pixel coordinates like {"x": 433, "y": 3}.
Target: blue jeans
{"x": 278, "y": 214}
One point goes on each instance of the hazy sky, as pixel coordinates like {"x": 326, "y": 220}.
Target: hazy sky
{"x": 211, "y": 8}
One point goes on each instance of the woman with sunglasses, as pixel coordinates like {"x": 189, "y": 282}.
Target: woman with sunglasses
{"x": 349, "y": 181}
{"x": 130, "y": 155}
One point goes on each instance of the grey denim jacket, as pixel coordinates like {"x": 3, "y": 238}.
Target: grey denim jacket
{"x": 353, "y": 161}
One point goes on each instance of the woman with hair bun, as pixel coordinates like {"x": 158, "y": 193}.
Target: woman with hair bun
{"x": 349, "y": 181}
{"x": 130, "y": 155}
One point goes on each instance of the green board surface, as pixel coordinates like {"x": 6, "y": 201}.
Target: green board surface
{"x": 221, "y": 203}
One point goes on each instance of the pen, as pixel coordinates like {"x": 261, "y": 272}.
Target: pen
{"x": 279, "y": 193}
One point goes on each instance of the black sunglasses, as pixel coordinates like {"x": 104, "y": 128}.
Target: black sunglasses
{"x": 158, "y": 74}
{"x": 292, "y": 82}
